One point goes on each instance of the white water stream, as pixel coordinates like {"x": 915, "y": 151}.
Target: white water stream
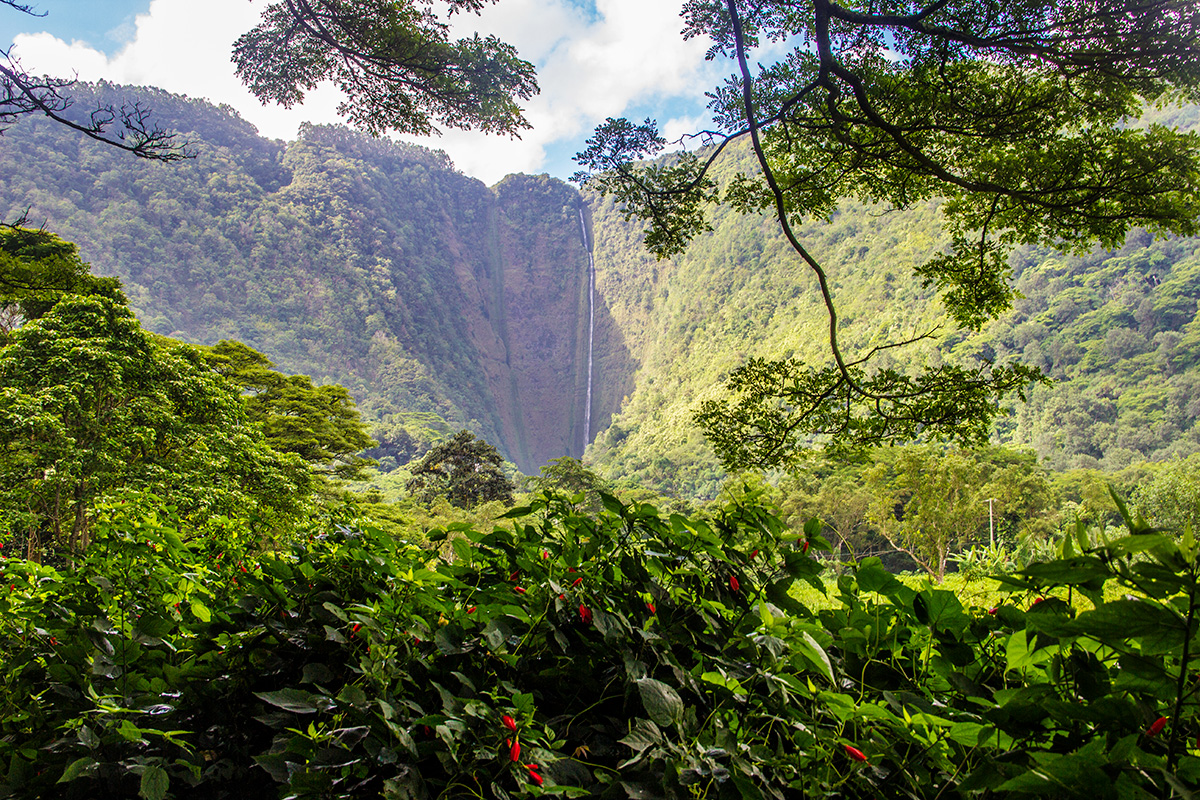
{"x": 587, "y": 407}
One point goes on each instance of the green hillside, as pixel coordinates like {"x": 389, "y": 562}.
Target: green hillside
{"x": 357, "y": 261}
{"x": 444, "y": 304}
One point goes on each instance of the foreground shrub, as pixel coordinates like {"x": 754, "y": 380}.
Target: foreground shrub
{"x": 625, "y": 654}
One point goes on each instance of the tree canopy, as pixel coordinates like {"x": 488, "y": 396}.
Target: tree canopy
{"x": 393, "y": 59}
{"x": 466, "y": 470}
{"x": 318, "y": 423}
{"x": 1017, "y": 115}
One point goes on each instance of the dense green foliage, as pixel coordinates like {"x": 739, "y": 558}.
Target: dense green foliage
{"x": 1015, "y": 116}
{"x": 318, "y": 423}
{"x": 1113, "y": 402}
{"x": 359, "y": 262}
{"x": 596, "y": 656}
{"x": 465, "y": 470}
{"x": 91, "y": 404}
{"x": 394, "y": 61}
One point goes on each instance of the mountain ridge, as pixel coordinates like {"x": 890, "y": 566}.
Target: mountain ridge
{"x": 443, "y": 304}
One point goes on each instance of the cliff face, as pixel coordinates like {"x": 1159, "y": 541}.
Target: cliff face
{"x": 439, "y": 302}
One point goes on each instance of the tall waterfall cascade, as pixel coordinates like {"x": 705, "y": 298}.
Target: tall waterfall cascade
{"x": 587, "y": 406}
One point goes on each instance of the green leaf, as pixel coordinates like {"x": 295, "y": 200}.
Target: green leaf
{"x": 662, "y": 702}
{"x": 815, "y": 654}
{"x": 644, "y": 734}
{"x": 78, "y": 768}
{"x": 154, "y": 783}
{"x": 297, "y": 701}
{"x": 201, "y": 612}
{"x": 518, "y": 511}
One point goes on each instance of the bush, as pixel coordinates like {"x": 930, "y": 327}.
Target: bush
{"x": 616, "y": 655}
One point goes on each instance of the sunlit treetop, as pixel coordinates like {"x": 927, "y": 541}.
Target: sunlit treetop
{"x": 393, "y": 59}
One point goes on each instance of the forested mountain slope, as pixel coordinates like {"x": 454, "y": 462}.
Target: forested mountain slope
{"x": 1116, "y": 331}
{"x": 441, "y": 303}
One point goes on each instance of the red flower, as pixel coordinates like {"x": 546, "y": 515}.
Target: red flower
{"x": 470, "y": 609}
{"x": 734, "y": 586}
{"x": 577, "y": 581}
{"x": 1036, "y": 600}
{"x": 585, "y": 614}
{"x": 509, "y": 723}
{"x": 570, "y": 569}
{"x": 534, "y": 777}
{"x": 754, "y": 554}
{"x": 993, "y": 609}
{"x": 545, "y": 554}
{"x": 514, "y": 750}
{"x": 854, "y": 753}
{"x": 1156, "y": 727}
{"x": 355, "y": 629}
{"x": 650, "y": 608}
{"x": 519, "y": 589}
{"x": 805, "y": 548}
{"x": 512, "y": 576}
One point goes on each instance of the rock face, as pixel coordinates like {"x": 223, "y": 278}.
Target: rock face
{"x": 438, "y": 301}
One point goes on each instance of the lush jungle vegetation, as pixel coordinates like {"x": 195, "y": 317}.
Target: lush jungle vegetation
{"x": 207, "y": 612}
{"x": 207, "y": 590}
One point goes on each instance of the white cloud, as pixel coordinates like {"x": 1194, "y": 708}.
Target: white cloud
{"x": 588, "y": 68}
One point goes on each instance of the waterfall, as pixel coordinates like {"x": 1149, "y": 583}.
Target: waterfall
{"x": 587, "y": 406}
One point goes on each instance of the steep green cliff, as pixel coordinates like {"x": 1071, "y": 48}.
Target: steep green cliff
{"x": 442, "y": 303}
{"x": 361, "y": 262}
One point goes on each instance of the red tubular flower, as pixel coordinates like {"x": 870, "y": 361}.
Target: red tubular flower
{"x": 805, "y": 548}
{"x": 734, "y": 586}
{"x": 650, "y": 608}
{"x": 577, "y": 581}
{"x": 571, "y": 569}
{"x": 534, "y": 778}
{"x": 754, "y": 554}
{"x": 355, "y": 629}
{"x": 585, "y": 614}
{"x": 519, "y": 589}
{"x": 514, "y": 750}
{"x": 470, "y": 609}
{"x": 509, "y": 723}
{"x": 516, "y": 573}
{"x": 545, "y": 554}
{"x": 993, "y": 609}
{"x": 854, "y": 753}
{"x": 1156, "y": 727}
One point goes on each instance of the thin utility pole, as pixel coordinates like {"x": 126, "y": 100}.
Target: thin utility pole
{"x": 991, "y": 523}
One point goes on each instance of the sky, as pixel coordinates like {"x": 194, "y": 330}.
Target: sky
{"x": 595, "y": 59}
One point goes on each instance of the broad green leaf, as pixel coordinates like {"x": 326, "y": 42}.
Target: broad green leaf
{"x": 644, "y": 734}
{"x": 155, "y": 781}
{"x": 663, "y": 704}
{"x": 76, "y": 768}
{"x": 815, "y": 654}
{"x": 297, "y": 701}
{"x": 201, "y": 612}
